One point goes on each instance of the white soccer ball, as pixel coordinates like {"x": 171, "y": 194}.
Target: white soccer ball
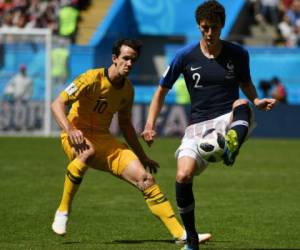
{"x": 211, "y": 146}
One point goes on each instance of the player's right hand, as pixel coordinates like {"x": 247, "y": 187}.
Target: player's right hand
{"x": 148, "y": 136}
{"x": 265, "y": 104}
{"x": 76, "y": 136}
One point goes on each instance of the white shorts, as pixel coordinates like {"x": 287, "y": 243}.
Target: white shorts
{"x": 195, "y": 131}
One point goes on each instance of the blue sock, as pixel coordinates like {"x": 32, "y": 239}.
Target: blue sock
{"x": 186, "y": 205}
{"x": 240, "y": 121}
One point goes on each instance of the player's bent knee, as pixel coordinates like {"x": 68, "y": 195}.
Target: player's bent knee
{"x": 145, "y": 182}
{"x": 87, "y": 154}
{"x": 240, "y": 102}
{"x": 184, "y": 177}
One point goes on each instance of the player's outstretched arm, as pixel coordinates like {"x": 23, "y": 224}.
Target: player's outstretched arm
{"x": 156, "y": 104}
{"x": 131, "y": 138}
{"x": 249, "y": 90}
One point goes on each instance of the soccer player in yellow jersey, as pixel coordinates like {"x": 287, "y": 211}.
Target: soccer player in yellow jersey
{"x": 95, "y": 97}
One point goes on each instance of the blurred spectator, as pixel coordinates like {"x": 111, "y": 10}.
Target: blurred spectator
{"x": 279, "y": 91}
{"x": 22, "y": 20}
{"x": 289, "y": 25}
{"x": 265, "y": 87}
{"x": 7, "y": 20}
{"x": 17, "y": 94}
{"x": 5, "y": 6}
{"x": 59, "y": 61}
{"x": 19, "y": 88}
{"x": 67, "y": 18}
{"x": 182, "y": 94}
{"x": 283, "y": 15}
{"x": 294, "y": 12}
{"x": 61, "y": 16}
{"x": 286, "y": 4}
{"x": 288, "y": 32}
{"x": 268, "y": 12}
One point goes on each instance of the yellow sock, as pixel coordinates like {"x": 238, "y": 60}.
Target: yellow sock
{"x": 73, "y": 178}
{"x": 161, "y": 208}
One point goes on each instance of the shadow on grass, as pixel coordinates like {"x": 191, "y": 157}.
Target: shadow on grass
{"x": 138, "y": 241}
{"x": 71, "y": 242}
{"x": 212, "y": 245}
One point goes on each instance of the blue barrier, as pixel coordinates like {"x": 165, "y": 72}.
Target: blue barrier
{"x": 282, "y": 122}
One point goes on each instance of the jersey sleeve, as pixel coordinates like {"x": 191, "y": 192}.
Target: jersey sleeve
{"x": 75, "y": 89}
{"x": 244, "y": 72}
{"x": 172, "y": 73}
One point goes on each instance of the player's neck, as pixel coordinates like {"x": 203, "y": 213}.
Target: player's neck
{"x": 211, "y": 51}
{"x": 116, "y": 80}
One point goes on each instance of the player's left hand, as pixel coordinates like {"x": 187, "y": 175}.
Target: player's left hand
{"x": 265, "y": 104}
{"x": 150, "y": 164}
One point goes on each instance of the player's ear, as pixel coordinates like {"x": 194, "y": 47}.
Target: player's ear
{"x": 114, "y": 58}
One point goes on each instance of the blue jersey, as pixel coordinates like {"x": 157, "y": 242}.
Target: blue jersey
{"x": 213, "y": 84}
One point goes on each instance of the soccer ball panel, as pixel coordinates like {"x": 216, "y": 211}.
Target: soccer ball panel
{"x": 211, "y": 146}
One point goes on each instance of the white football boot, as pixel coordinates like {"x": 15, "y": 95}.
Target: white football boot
{"x": 202, "y": 238}
{"x": 59, "y": 225}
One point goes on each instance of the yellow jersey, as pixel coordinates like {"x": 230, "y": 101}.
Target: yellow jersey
{"x": 94, "y": 101}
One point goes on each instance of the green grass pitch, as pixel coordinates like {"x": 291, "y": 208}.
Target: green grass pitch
{"x": 253, "y": 205}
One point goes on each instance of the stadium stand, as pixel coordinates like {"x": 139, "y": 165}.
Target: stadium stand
{"x": 38, "y": 13}
{"x": 90, "y": 19}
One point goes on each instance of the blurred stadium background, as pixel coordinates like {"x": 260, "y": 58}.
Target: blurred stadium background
{"x": 82, "y": 34}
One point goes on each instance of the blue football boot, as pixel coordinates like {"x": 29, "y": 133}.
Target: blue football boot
{"x": 192, "y": 244}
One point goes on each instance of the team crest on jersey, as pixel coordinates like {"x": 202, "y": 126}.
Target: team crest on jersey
{"x": 71, "y": 89}
{"x": 229, "y": 70}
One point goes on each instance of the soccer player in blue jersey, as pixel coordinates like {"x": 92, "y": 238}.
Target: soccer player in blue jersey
{"x": 213, "y": 70}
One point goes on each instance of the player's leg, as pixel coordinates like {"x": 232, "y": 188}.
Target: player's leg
{"x": 186, "y": 169}
{"x": 74, "y": 175}
{"x": 241, "y": 116}
{"x": 157, "y": 202}
{"x": 189, "y": 164}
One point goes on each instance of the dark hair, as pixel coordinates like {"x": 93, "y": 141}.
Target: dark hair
{"x": 275, "y": 80}
{"x": 132, "y": 43}
{"x": 210, "y": 10}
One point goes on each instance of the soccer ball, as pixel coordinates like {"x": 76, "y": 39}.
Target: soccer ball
{"x": 211, "y": 146}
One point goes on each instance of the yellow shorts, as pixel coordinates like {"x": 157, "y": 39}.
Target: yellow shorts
{"x": 111, "y": 155}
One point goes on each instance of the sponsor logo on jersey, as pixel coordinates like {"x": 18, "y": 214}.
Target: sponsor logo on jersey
{"x": 71, "y": 89}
